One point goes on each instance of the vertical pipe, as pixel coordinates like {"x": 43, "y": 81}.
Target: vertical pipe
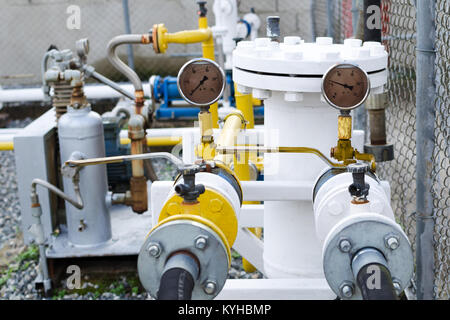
{"x": 126, "y": 16}
{"x": 425, "y": 120}
{"x": 312, "y": 11}
{"x": 359, "y": 114}
{"x": 330, "y": 18}
{"x": 355, "y": 13}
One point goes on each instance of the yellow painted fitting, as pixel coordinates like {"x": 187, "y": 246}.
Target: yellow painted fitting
{"x": 367, "y": 157}
{"x": 214, "y": 109}
{"x": 206, "y": 151}
{"x": 206, "y": 126}
{"x": 256, "y": 102}
{"x": 157, "y": 141}
{"x": 212, "y": 206}
{"x": 343, "y": 151}
{"x": 245, "y": 105}
{"x": 173, "y": 208}
{"x": 6, "y": 146}
{"x": 234, "y": 122}
{"x": 215, "y": 205}
{"x": 207, "y": 43}
{"x": 163, "y": 38}
{"x": 208, "y": 53}
{"x": 345, "y": 127}
{"x": 200, "y": 220}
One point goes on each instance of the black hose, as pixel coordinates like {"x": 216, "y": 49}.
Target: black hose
{"x": 376, "y": 289}
{"x": 176, "y": 284}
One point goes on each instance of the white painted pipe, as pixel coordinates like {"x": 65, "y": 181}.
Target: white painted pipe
{"x": 92, "y": 91}
{"x": 291, "y": 247}
{"x": 333, "y": 202}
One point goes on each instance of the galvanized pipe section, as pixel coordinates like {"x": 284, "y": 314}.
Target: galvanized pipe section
{"x": 126, "y": 16}
{"x": 425, "y": 122}
{"x": 330, "y": 18}
{"x": 312, "y": 12}
{"x": 97, "y": 76}
{"x": 119, "y": 64}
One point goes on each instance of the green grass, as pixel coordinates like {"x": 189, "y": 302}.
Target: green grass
{"x": 22, "y": 262}
{"x": 104, "y": 283}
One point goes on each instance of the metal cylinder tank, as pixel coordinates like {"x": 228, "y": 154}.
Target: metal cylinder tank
{"x": 81, "y": 130}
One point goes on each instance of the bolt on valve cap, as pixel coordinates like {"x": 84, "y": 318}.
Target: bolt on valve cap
{"x": 358, "y": 167}
{"x": 273, "y": 27}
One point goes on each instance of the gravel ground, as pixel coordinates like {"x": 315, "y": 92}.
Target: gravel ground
{"x": 18, "y": 262}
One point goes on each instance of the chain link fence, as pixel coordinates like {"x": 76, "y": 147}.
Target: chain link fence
{"x": 399, "y": 34}
{"x": 441, "y": 172}
{"x": 29, "y": 27}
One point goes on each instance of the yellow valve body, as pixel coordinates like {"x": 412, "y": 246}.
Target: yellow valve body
{"x": 344, "y": 127}
{"x": 201, "y": 220}
{"x": 211, "y": 206}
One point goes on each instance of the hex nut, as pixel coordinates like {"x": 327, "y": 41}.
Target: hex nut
{"x": 347, "y": 290}
{"x": 345, "y": 245}
{"x": 154, "y": 249}
{"x": 210, "y": 287}
{"x": 201, "y": 242}
{"x": 392, "y": 242}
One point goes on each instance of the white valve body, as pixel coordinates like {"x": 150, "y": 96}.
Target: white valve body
{"x": 287, "y": 76}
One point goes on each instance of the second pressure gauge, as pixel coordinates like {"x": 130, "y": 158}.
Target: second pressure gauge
{"x": 345, "y": 86}
{"x": 201, "y": 82}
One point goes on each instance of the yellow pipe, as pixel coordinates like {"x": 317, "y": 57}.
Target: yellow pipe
{"x": 183, "y": 37}
{"x": 157, "y": 141}
{"x": 245, "y": 105}
{"x": 234, "y": 122}
{"x": 208, "y": 53}
{"x": 6, "y": 146}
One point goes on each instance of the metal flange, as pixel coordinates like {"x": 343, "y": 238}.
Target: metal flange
{"x": 183, "y": 235}
{"x": 366, "y": 231}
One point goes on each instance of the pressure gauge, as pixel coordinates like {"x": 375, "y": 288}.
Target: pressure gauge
{"x": 201, "y": 82}
{"x": 345, "y": 86}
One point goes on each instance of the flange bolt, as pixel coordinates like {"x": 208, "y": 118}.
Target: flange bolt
{"x": 210, "y": 287}
{"x": 201, "y": 242}
{"x": 347, "y": 290}
{"x": 154, "y": 250}
{"x": 392, "y": 243}
{"x": 345, "y": 245}
{"x": 397, "y": 287}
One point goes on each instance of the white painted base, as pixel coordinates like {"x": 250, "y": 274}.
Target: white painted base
{"x": 276, "y": 289}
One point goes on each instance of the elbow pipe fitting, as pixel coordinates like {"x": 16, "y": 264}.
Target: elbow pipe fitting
{"x": 161, "y": 38}
{"x": 125, "y": 69}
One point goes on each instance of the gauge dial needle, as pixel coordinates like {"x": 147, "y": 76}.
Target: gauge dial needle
{"x": 201, "y": 82}
{"x": 344, "y": 85}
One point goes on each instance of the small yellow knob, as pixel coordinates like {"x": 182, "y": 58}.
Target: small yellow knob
{"x": 173, "y": 208}
{"x": 215, "y": 205}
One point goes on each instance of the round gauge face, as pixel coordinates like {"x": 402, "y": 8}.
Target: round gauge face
{"x": 345, "y": 86}
{"x": 201, "y": 82}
